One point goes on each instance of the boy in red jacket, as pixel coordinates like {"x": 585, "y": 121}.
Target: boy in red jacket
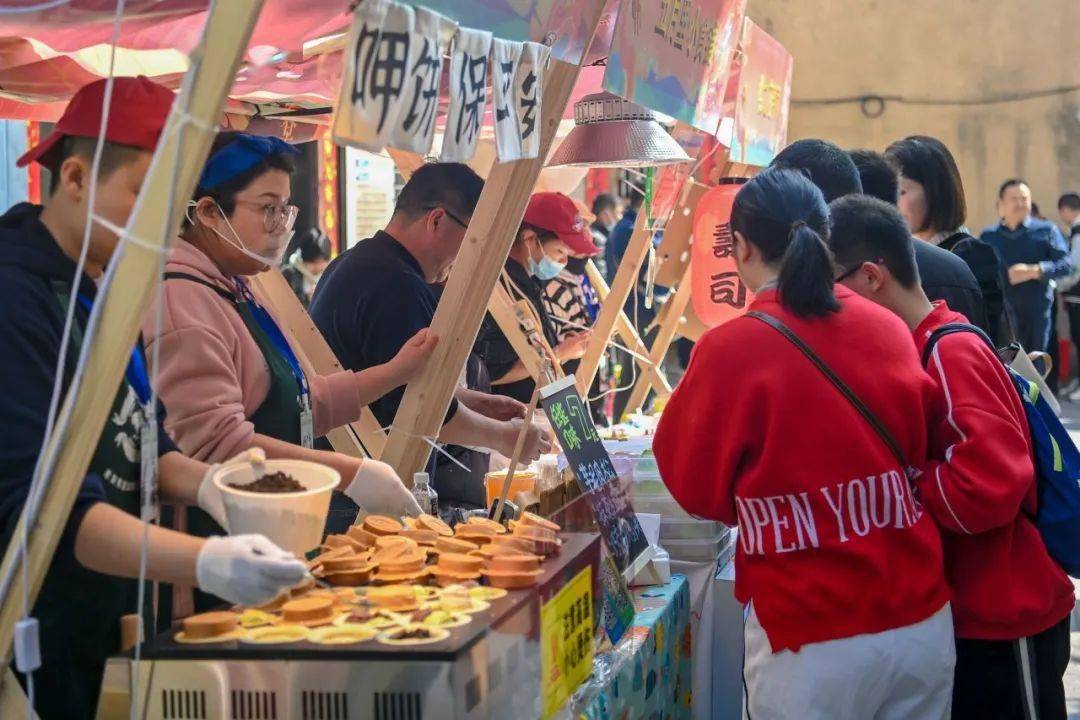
{"x": 1011, "y": 601}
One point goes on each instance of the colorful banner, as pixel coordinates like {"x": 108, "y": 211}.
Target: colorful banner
{"x": 563, "y": 25}
{"x": 566, "y": 639}
{"x": 468, "y": 94}
{"x": 717, "y": 292}
{"x": 759, "y": 97}
{"x": 674, "y": 56}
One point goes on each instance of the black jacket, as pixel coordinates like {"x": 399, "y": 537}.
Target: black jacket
{"x": 945, "y": 276}
{"x": 986, "y": 266}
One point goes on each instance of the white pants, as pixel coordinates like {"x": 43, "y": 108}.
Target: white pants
{"x": 901, "y": 674}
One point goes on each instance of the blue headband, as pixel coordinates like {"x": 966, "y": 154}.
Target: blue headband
{"x": 242, "y": 153}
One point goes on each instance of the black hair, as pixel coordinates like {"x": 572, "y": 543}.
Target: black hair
{"x": 825, "y": 164}
{"x": 314, "y": 246}
{"x": 453, "y": 186}
{"x": 866, "y": 229}
{"x": 542, "y": 235}
{"x": 927, "y": 161}
{"x": 113, "y": 157}
{"x": 878, "y": 176}
{"x": 602, "y": 202}
{"x": 1011, "y": 182}
{"x": 634, "y": 199}
{"x": 784, "y": 215}
{"x": 1069, "y": 200}
{"x": 225, "y": 193}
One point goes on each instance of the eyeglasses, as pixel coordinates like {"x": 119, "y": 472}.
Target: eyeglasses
{"x": 275, "y": 216}
{"x": 450, "y": 215}
{"x": 848, "y": 273}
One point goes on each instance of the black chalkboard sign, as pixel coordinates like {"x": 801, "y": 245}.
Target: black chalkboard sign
{"x": 596, "y": 476}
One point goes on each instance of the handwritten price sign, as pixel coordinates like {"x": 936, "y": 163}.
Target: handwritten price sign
{"x": 566, "y": 636}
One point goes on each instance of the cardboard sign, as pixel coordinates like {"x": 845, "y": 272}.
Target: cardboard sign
{"x": 468, "y": 94}
{"x": 674, "y": 56}
{"x": 759, "y": 96}
{"x": 566, "y": 638}
{"x": 376, "y": 70}
{"x": 718, "y": 293}
{"x": 414, "y": 129}
{"x": 505, "y": 55}
{"x": 591, "y": 464}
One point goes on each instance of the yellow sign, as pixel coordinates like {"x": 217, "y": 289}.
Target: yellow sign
{"x": 566, "y": 639}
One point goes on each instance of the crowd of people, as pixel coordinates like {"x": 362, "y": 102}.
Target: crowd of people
{"x": 861, "y": 431}
{"x": 880, "y": 470}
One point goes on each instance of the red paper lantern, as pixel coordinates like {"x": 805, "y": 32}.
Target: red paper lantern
{"x": 717, "y": 291}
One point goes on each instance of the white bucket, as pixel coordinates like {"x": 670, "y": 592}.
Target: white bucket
{"x": 294, "y": 520}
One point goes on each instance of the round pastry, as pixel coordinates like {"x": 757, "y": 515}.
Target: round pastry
{"x": 309, "y": 611}
{"x": 352, "y": 577}
{"x": 386, "y": 541}
{"x": 514, "y": 543}
{"x": 535, "y": 532}
{"x": 535, "y": 520}
{"x": 351, "y": 562}
{"x": 486, "y": 592}
{"x": 408, "y": 578}
{"x": 275, "y": 604}
{"x": 209, "y": 627}
{"x": 514, "y": 564}
{"x": 336, "y": 541}
{"x": 344, "y": 634}
{"x": 454, "y": 545}
{"x": 410, "y": 562}
{"x": 362, "y": 536}
{"x": 506, "y": 547}
{"x": 274, "y": 634}
{"x": 430, "y": 522}
{"x": 397, "y": 598}
{"x": 495, "y": 527}
{"x": 512, "y": 580}
{"x": 256, "y": 618}
{"x": 420, "y": 537}
{"x": 393, "y": 551}
{"x": 476, "y": 534}
{"x": 382, "y": 525}
{"x": 455, "y": 562}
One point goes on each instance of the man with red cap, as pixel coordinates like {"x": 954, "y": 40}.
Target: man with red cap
{"x": 552, "y": 231}
{"x": 87, "y": 590}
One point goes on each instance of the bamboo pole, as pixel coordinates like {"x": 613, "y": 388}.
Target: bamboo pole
{"x": 179, "y": 157}
{"x": 491, "y": 232}
{"x": 363, "y": 438}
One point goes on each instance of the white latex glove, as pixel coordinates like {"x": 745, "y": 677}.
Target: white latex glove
{"x": 246, "y": 569}
{"x": 210, "y": 496}
{"x": 378, "y": 489}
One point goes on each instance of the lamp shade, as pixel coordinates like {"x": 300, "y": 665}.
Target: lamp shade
{"x": 610, "y": 131}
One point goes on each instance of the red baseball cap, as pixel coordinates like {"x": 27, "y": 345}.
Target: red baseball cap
{"x": 555, "y": 212}
{"x": 139, "y": 108}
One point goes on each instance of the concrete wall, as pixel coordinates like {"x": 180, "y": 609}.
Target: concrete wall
{"x": 943, "y": 50}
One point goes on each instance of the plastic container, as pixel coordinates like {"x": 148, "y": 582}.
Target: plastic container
{"x": 295, "y": 520}
{"x": 690, "y": 529}
{"x": 703, "y": 550}
{"x": 649, "y": 483}
{"x": 664, "y": 505}
{"x": 523, "y": 481}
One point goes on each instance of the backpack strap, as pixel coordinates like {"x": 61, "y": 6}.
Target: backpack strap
{"x": 949, "y": 329}
{"x": 839, "y": 384}
{"x": 192, "y": 278}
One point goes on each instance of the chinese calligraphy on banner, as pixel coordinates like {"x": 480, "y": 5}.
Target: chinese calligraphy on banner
{"x": 528, "y": 87}
{"x": 505, "y": 55}
{"x": 759, "y": 95}
{"x": 415, "y": 128}
{"x": 468, "y": 94}
{"x": 717, "y": 292}
{"x": 591, "y": 464}
{"x": 674, "y": 56}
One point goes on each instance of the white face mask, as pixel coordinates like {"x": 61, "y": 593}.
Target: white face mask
{"x": 270, "y": 257}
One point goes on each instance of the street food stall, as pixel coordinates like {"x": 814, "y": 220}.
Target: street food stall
{"x": 519, "y": 613}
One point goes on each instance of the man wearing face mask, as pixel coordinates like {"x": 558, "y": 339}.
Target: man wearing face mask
{"x": 552, "y": 231}
{"x": 225, "y": 371}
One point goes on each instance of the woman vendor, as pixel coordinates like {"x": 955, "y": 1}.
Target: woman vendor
{"x": 552, "y": 230}
{"x": 89, "y": 585}
{"x": 225, "y": 371}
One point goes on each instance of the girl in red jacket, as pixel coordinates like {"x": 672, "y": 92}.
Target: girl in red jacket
{"x": 1011, "y": 601}
{"x": 840, "y": 568}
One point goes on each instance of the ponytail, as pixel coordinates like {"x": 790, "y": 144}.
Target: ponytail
{"x": 805, "y": 284}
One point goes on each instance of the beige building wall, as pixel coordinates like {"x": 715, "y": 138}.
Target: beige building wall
{"x": 936, "y": 51}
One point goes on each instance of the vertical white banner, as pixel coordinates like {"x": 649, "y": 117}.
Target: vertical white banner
{"x": 468, "y": 94}
{"x": 505, "y": 55}
{"x": 528, "y": 91}
{"x": 414, "y": 127}
{"x": 374, "y": 83}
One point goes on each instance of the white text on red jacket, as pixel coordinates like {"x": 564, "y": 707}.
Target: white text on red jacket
{"x": 850, "y": 510}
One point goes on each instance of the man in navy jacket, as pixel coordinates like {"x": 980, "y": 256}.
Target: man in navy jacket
{"x": 1035, "y": 253}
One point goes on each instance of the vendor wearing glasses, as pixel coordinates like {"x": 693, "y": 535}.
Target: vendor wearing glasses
{"x": 226, "y": 373}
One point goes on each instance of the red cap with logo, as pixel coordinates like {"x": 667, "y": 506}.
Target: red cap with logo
{"x": 555, "y": 212}
{"x": 139, "y": 108}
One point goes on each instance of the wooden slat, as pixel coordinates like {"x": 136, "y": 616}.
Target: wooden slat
{"x": 501, "y": 307}
{"x": 315, "y": 355}
{"x": 172, "y": 176}
{"x": 461, "y": 309}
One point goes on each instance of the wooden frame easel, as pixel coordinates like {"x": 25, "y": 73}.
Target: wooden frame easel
{"x": 178, "y": 160}
{"x": 468, "y": 291}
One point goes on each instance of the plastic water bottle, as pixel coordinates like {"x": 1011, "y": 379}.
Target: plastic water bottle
{"x": 425, "y": 495}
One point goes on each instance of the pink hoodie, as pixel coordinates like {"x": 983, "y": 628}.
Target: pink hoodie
{"x": 213, "y": 376}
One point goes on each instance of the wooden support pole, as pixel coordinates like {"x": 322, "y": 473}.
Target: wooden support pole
{"x": 502, "y": 309}
{"x": 626, "y": 330}
{"x": 363, "y": 438}
{"x": 626, "y": 278}
{"x": 668, "y": 325}
{"x": 171, "y": 179}
{"x": 490, "y": 234}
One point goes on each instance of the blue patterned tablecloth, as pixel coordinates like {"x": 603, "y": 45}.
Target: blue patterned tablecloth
{"x": 651, "y": 675}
